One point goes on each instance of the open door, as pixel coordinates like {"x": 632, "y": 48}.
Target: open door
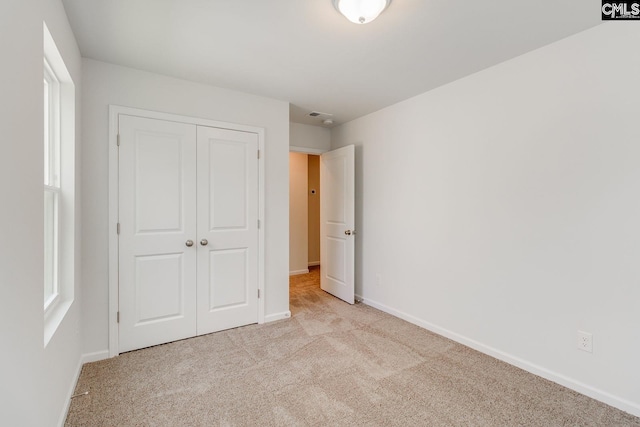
{"x": 337, "y": 222}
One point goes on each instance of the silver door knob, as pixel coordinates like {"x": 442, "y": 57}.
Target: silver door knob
{"x": 347, "y": 232}
{"x": 204, "y": 242}
{"x": 189, "y": 243}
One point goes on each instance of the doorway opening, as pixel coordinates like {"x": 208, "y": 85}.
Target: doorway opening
{"x": 304, "y": 213}
{"x": 323, "y": 187}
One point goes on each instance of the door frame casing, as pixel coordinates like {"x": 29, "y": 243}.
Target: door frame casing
{"x": 114, "y": 112}
{"x": 307, "y": 150}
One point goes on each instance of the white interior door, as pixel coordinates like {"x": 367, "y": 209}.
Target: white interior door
{"x": 157, "y": 269}
{"x": 227, "y": 229}
{"x": 337, "y": 222}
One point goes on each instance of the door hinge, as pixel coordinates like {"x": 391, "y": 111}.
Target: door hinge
{"x": 258, "y": 293}
{"x": 258, "y": 154}
{"x": 258, "y": 224}
{"x": 118, "y": 228}
{"x": 118, "y": 317}
{"x": 118, "y": 140}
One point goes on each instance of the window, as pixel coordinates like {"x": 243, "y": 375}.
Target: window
{"x": 51, "y": 184}
{"x": 59, "y": 187}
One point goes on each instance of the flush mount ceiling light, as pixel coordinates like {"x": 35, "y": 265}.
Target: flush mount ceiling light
{"x": 361, "y": 11}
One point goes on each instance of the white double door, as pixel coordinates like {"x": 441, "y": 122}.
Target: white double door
{"x": 188, "y": 242}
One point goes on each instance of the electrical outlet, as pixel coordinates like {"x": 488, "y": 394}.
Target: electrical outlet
{"x": 585, "y": 341}
{"x": 378, "y": 280}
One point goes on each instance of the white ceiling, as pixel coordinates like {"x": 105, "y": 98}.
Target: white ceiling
{"x": 304, "y": 52}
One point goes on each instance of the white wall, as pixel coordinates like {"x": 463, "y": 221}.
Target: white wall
{"x": 35, "y": 383}
{"x": 110, "y": 84}
{"x": 309, "y": 137}
{"x": 503, "y": 210}
{"x": 298, "y": 214}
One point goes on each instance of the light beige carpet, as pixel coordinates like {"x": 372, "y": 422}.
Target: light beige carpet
{"x": 331, "y": 364}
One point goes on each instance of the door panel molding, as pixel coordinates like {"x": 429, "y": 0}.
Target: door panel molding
{"x": 115, "y": 111}
{"x": 337, "y": 223}
{"x": 157, "y": 272}
{"x": 227, "y": 219}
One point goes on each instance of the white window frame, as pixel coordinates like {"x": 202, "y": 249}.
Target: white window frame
{"x": 59, "y": 146}
{"x": 52, "y": 186}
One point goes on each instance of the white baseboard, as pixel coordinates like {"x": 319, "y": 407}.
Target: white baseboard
{"x": 277, "y": 316}
{"x": 85, "y": 358}
{"x": 95, "y": 356}
{"x": 296, "y": 272}
{"x": 314, "y": 263}
{"x": 72, "y": 387}
{"x": 603, "y": 396}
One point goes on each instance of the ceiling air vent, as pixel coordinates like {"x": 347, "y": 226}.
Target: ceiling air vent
{"x": 319, "y": 114}
{"x": 324, "y": 118}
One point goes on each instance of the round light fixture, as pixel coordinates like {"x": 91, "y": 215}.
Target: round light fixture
{"x": 361, "y": 11}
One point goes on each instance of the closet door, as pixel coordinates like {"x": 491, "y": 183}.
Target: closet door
{"x": 227, "y": 229}
{"x": 157, "y": 241}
